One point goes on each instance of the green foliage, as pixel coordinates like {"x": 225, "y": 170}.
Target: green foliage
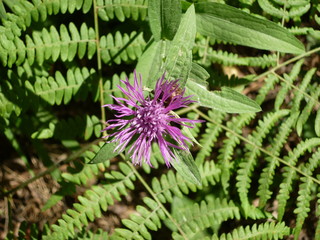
{"x": 119, "y": 48}
{"x": 291, "y": 10}
{"x": 254, "y": 170}
{"x": 289, "y": 174}
{"x": 65, "y": 43}
{"x": 138, "y": 225}
{"x": 251, "y": 156}
{"x": 266, "y": 177}
{"x": 262, "y": 231}
{"x": 210, "y": 136}
{"x": 92, "y": 202}
{"x": 208, "y": 56}
{"x": 121, "y": 10}
{"x": 209, "y": 213}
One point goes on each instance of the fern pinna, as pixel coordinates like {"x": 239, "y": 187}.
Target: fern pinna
{"x": 250, "y": 171}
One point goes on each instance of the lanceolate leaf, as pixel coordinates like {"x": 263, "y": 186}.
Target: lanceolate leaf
{"x": 226, "y": 100}
{"x": 171, "y": 57}
{"x": 214, "y": 18}
{"x": 199, "y": 74}
{"x": 179, "y": 58}
{"x": 164, "y": 18}
{"x": 317, "y": 126}
{"x": 3, "y": 14}
{"x": 186, "y": 167}
{"x": 105, "y": 153}
{"x": 150, "y": 62}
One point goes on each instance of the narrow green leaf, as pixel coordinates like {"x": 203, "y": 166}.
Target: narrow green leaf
{"x": 164, "y": 18}
{"x": 150, "y": 61}
{"x": 171, "y": 57}
{"x": 3, "y": 13}
{"x": 229, "y": 24}
{"x": 176, "y": 56}
{"x": 86, "y": 6}
{"x": 226, "y": 100}
{"x": 105, "y": 153}
{"x": 317, "y": 124}
{"x": 185, "y": 130}
{"x": 186, "y": 167}
{"x": 198, "y": 74}
{"x": 179, "y": 55}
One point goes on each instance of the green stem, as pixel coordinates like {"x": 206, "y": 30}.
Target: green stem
{"x": 286, "y": 63}
{"x": 99, "y": 63}
{"x": 282, "y": 24}
{"x": 154, "y": 196}
{"x": 258, "y": 147}
{"x": 186, "y": 109}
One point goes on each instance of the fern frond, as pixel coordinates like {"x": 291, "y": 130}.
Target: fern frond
{"x": 289, "y": 173}
{"x": 302, "y": 88}
{"x": 289, "y": 10}
{"x": 230, "y": 59}
{"x": 58, "y": 89}
{"x": 206, "y": 214}
{"x": 26, "y": 11}
{"x": 285, "y": 86}
{"x": 305, "y": 190}
{"x": 115, "y": 81}
{"x": 301, "y": 30}
{"x": 138, "y": 225}
{"x": 262, "y": 231}
{"x": 94, "y": 200}
{"x": 315, "y": 93}
{"x": 50, "y": 44}
{"x": 235, "y": 125}
{"x": 210, "y": 173}
{"x": 247, "y": 166}
{"x": 208, "y": 139}
{"x": 297, "y": 11}
{"x": 266, "y": 177}
{"x": 119, "y": 47}
{"x": 269, "y": 8}
{"x": 122, "y": 9}
{"x": 227, "y": 149}
{"x": 11, "y": 27}
{"x": 173, "y": 184}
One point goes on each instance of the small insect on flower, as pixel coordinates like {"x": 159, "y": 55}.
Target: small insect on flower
{"x": 144, "y": 120}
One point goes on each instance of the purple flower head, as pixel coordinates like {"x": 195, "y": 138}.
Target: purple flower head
{"x": 144, "y": 120}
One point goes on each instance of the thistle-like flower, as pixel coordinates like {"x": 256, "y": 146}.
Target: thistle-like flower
{"x": 144, "y": 120}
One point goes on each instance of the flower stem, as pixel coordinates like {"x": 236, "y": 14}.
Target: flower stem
{"x": 154, "y": 196}
{"x": 99, "y": 63}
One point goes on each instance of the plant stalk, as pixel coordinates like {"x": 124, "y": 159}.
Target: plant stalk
{"x": 99, "y": 63}
{"x": 156, "y": 198}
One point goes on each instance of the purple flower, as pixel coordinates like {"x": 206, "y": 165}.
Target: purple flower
{"x": 144, "y": 120}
